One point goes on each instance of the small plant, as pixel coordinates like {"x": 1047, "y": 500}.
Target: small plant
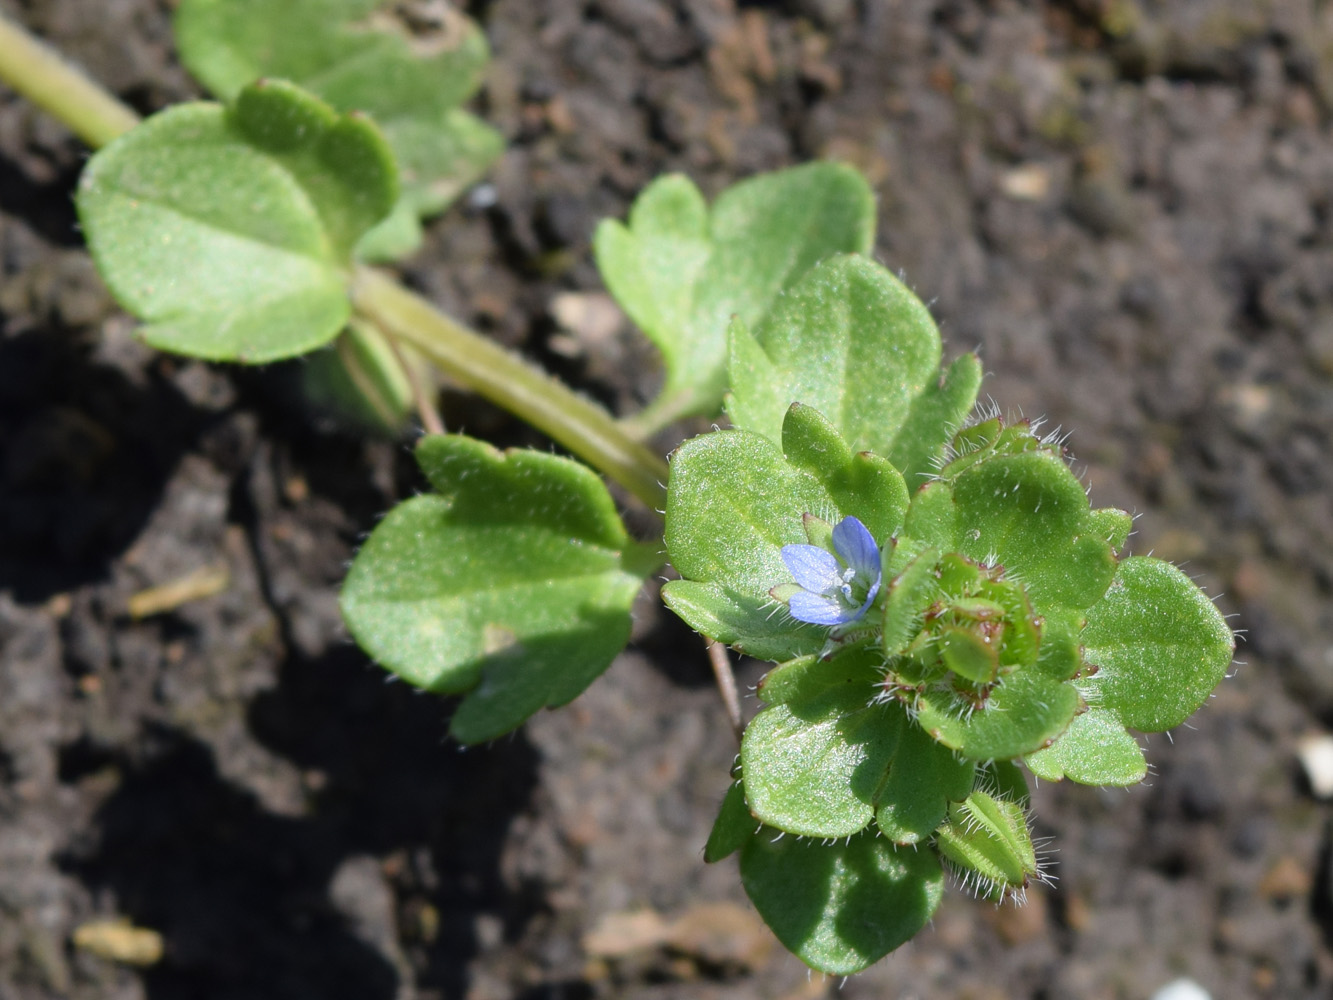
{"x": 942, "y": 605}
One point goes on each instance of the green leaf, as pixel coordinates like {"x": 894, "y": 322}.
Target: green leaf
{"x": 360, "y": 55}
{"x": 733, "y": 827}
{"x": 911, "y": 588}
{"x": 814, "y": 768}
{"x": 863, "y": 485}
{"x": 826, "y": 759}
{"x": 228, "y": 231}
{"x": 732, "y": 503}
{"x": 848, "y": 339}
{"x": 1029, "y": 512}
{"x": 1095, "y": 750}
{"x": 933, "y": 517}
{"x": 840, "y": 907}
{"x": 1159, "y": 644}
{"x": 750, "y": 623}
{"x": 807, "y": 677}
{"x": 924, "y": 778}
{"x": 437, "y": 161}
{"x": 935, "y": 415}
{"x": 681, "y": 272}
{"x": 512, "y": 584}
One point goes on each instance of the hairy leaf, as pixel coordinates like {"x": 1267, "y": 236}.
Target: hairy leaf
{"x": 733, "y": 502}
{"x": 1159, "y": 643}
{"x": 848, "y": 339}
{"x": 512, "y": 584}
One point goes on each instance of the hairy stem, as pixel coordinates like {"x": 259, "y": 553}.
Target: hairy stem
{"x": 581, "y": 426}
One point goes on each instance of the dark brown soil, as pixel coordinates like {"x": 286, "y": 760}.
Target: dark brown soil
{"x": 1127, "y": 205}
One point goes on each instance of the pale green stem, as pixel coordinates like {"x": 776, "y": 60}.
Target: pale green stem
{"x": 488, "y": 369}
{"x": 96, "y": 117}
{"x": 662, "y": 412}
{"x": 43, "y": 77}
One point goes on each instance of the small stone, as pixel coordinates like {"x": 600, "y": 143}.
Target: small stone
{"x": 1182, "y": 989}
{"x": 1316, "y": 756}
{"x": 1030, "y": 182}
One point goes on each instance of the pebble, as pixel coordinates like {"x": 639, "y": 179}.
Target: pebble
{"x": 1182, "y": 989}
{"x": 1316, "y": 757}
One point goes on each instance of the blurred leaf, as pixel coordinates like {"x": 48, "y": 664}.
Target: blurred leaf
{"x": 359, "y": 381}
{"x": 368, "y": 56}
{"x": 733, "y": 827}
{"x": 228, "y": 231}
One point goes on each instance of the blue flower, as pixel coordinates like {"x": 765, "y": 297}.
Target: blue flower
{"x": 835, "y": 590}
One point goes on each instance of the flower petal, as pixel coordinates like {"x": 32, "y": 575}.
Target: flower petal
{"x": 854, "y": 542}
{"x": 819, "y": 610}
{"x": 815, "y": 569}
{"x": 870, "y": 599}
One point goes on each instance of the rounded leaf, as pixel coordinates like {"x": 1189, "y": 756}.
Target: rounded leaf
{"x": 1159, "y": 643}
{"x": 229, "y": 242}
{"x": 840, "y": 907}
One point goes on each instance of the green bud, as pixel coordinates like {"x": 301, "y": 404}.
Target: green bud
{"x": 987, "y": 843}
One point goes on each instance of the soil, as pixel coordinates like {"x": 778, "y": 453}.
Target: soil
{"x": 1126, "y": 205}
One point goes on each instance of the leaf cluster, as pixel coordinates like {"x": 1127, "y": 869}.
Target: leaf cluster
{"x": 1007, "y": 629}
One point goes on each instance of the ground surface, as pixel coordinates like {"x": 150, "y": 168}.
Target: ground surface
{"x": 1127, "y": 206}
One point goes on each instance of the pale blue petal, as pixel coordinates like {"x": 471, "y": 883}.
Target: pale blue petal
{"x": 815, "y": 569}
{"x": 857, "y": 547}
{"x": 818, "y": 610}
{"x": 870, "y": 598}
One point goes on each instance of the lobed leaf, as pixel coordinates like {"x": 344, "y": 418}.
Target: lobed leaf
{"x": 681, "y": 271}
{"x": 733, "y": 502}
{"x": 512, "y": 584}
{"x": 814, "y": 768}
{"x": 1029, "y": 512}
{"x": 1095, "y": 750}
{"x": 228, "y": 230}
{"x": 840, "y": 907}
{"x": 863, "y": 485}
{"x": 363, "y": 55}
{"x": 825, "y": 758}
{"x": 924, "y": 778}
{"x": 848, "y": 339}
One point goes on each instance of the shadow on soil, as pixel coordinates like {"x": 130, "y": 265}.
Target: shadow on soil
{"x": 242, "y": 895}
